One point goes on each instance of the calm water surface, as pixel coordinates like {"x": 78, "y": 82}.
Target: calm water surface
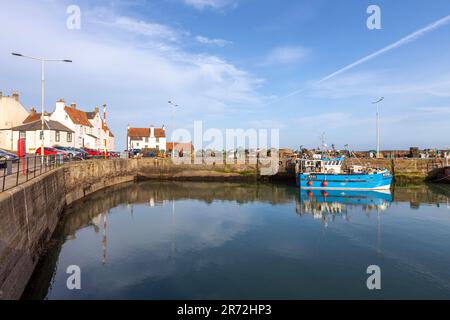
{"x": 184, "y": 240}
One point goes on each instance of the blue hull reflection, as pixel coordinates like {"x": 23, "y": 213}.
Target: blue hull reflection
{"x": 329, "y": 204}
{"x": 347, "y": 197}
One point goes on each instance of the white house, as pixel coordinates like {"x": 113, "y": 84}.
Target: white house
{"x": 54, "y": 132}
{"x": 12, "y": 114}
{"x": 89, "y": 128}
{"x": 65, "y": 126}
{"x": 152, "y": 138}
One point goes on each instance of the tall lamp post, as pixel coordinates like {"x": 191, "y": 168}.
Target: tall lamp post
{"x": 174, "y": 105}
{"x": 42, "y": 60}
{"x": 378, "y": 125}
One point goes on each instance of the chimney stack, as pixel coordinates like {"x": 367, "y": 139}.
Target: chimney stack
{"x": 1, "y": 94}
{"x": 73, "y": 105}
{"x": 96, "y": 110}
{"x": 15, "y": 95}
{"x": 32, "y": 111}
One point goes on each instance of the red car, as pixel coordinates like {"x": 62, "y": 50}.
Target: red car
{"x": 93, "y": 153}
{"x": 48, "y": 151}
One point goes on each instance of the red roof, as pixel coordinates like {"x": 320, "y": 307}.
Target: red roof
{"x": 160, "y": 133}
{"x": 78, "y": 116}
{"x": 34, "y": 117}
{"x": 138, "y": 133}
{"x": 180, "y": 146}
{"x": 105, "y": 128}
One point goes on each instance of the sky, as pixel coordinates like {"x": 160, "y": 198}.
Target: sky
{"x": 305, "y": 67}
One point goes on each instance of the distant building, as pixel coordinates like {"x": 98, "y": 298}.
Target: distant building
{"x": 12, "y": 113}
{"x": 142, "y": 138}
{"x": 181, "y": 148}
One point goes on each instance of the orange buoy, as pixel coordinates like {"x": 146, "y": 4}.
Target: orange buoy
{"x": 310, "y": 183}
{"x": 324, "y": 184}
{"x": 324, "y": 194}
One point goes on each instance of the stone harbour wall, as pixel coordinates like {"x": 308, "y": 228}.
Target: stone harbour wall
{"x": 29, "y": 213}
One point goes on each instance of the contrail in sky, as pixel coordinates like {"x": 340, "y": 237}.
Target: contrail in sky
{"x": 410, "y": 38}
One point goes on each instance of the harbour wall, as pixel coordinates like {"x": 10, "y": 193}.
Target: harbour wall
{"x": 406, "y": 171}
{"x": 29, "y": 213}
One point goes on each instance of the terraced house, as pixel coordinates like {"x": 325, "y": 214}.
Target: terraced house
{"x": 89, "y": 128}
{"x": 66, "y": 126}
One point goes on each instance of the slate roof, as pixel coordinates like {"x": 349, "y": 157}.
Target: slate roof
{"x": 48, "y": 125}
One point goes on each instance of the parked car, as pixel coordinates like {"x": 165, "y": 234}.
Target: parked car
{"x": 134, "y": 152}
{"x": 83, "y": 154}
{"x": 69, "y": 152}
{"x": 93, "y": 152}
{"x": 64, "y": 151}
{"x": 48, "y": 151}
{"x": 5, "y": 156}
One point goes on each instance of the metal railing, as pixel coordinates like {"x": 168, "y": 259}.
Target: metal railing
{"x": 21, "y": 170}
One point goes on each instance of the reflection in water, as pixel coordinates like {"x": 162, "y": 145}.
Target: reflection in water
{"x": 157, "y": 240}
{"x": 326, "y": 205}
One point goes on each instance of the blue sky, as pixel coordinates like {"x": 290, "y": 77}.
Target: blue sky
{"x": 235, "y": 63}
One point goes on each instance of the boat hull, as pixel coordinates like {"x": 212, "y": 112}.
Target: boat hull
{"x": 320, "y": 181}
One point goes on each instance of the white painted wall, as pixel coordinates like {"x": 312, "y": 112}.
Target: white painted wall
{"x": 12, "y": 113}
{"x": 149, "y": 142}
{"x": 33, "y": 141}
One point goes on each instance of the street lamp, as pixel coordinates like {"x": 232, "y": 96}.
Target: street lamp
{"x": 174, "y": 105}
{"x": 378, "y": 125}
{"x": 42, "y": 60}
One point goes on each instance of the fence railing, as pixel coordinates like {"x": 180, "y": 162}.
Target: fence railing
{"x": 21, "y": 170}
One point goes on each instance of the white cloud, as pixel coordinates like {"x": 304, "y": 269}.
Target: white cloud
{"x": 405, "y": 40}
{"x": 136, "y": 79}
{"x": 213, "y": 4}
{"x": 215, "y": 42}
{"x": 154, "y": 30}
{"x": 266, "y": 124}
{"x": 285, "y": 55}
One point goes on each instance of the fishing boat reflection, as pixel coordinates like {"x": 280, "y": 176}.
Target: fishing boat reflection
{"x": 327, "y": 205}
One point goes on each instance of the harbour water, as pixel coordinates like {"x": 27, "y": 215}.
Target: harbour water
{"x": 192, "y": 240}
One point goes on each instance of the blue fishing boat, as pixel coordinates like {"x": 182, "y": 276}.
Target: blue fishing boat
{"x": 327, "y": 174}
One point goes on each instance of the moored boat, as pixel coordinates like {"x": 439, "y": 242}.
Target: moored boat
{"x": 328, "y": 174}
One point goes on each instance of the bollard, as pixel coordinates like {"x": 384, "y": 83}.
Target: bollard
{"x": 9, "y": 167}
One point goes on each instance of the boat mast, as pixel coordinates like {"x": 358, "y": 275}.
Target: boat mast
{"x": 378, "y": 125}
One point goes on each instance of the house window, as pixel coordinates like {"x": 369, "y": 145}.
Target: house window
{"x": 157, "y": 140}
{"x": 22, "y": 134}
{"x": 57, "y": 136}
{"x": 146, "y": 139}
{"x": 41, "y": 135}
{"x": 69, "y": 136}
